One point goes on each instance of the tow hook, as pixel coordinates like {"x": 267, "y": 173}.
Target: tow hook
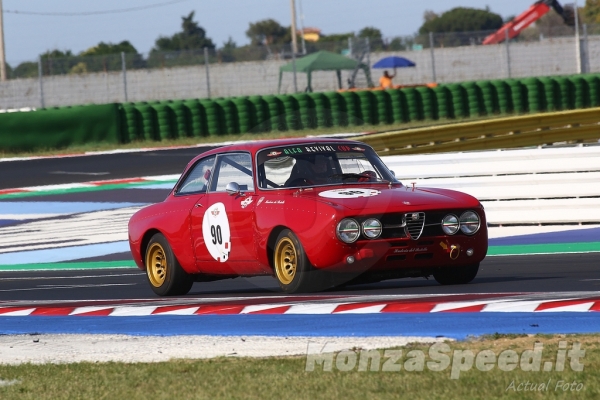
{"x": 454, "y": 251}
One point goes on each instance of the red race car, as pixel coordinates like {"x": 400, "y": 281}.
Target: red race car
{"x": 313, "y": 213}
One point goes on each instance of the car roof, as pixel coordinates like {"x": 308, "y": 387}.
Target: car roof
{"x": 257, "y": 145}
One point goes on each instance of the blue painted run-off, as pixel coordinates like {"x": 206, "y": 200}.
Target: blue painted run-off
{"x": 452, "y": 325}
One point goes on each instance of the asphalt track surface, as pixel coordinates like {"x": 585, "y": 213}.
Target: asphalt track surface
{"x": 505, "y": 274}
{"x": 75, "y": 169}
{"x": 499, "y": 274}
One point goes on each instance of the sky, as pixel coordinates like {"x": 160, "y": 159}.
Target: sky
{"x": 27, "y": 36}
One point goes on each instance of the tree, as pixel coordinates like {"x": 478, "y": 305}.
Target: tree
{"x": 591, "y": 11}
{"x": 371, "y": 33}
{"x": 338, "y": 37}
{"x": 267, "y": 32}
{"x": 108, "y": 48}
{"x": 462, "y": 19}
{"x": 191, "y": 37}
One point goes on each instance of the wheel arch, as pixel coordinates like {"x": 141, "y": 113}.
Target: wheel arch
{"x": 145, "y": 241}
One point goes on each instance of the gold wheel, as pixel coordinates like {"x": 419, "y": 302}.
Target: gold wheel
{"x": 156, "y": 264}
{"x": 286, "y": 261}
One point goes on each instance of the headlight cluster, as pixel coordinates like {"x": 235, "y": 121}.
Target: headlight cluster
{"x": 349, "y": 230}
{"x": 468, "y": 223}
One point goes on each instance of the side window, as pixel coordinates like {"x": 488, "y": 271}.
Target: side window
{"x": 198, "y": 178}
{"x": 233, "y": 168}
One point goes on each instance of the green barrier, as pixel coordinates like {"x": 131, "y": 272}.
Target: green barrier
{"x": 322, "y": 114}
{"x": 567, "y": 95}
{"x": 458, "y": 100}
{"x": 533, "y": 89}
{"x": 592, "y": 82}
{"x": 349, "y": 109}
{"x": 227, "y": 116}
{"x": 502, "y": 94}
{"x": 366, "y": 103}
{"x": 333, "y": 104}
{"x": 197, "y": 118}
{"x": 61, "y": 127}
{"x": 258, "y": 109}
{"x": 517, "y": 96}
{"x": 132, "y": 122}
{"x": 412, "y": 102}
{"x": 489, "y": 101}
{"x": 442, "y": 105}
{"x": 426, "y": 102}
{"x": 474, "y": 100}
{"x": 160, "y": 120}
{"x": 275, "y": 113}
{"x": 241, "y": 108}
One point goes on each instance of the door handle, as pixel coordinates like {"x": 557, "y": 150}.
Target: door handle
{"x": 198, "y": 205}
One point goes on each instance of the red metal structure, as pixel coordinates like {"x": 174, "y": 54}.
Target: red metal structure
{"x": 536, "y": 11}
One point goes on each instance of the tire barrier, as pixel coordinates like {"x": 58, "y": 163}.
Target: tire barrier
{"x": 55, "y": 128}
{"x": 164, "y": 120}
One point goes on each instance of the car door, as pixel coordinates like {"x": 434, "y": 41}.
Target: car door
{"x": 223, "y": 224}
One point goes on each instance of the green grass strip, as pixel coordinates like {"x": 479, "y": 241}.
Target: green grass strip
{"x": 69, "y": 266}
{"x": 80, "y": 190}
{"x": 550, "y": 248}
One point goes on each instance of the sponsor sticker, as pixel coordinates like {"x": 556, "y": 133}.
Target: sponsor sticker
{"x": 349, "y": 193}
{"x": 274, "y": 154}
{"x": 216, "y": 232}
{"x": 246, "y": 202}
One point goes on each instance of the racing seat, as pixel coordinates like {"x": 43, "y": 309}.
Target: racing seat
{"x": 300, "y": 176}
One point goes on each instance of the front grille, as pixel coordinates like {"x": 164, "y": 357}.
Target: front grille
{"x": 414, "y": 225}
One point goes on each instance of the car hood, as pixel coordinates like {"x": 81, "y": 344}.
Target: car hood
{"x": 380, "y": 198}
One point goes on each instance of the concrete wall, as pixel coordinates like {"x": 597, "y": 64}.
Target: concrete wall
{"x": 547, "y": 57}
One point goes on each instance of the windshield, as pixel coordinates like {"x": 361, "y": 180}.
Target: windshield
{"x": 319, "y": 165}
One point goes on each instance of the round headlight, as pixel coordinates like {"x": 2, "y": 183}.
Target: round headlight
{"x": 348, "y": 230}
{"x": 469, "y": 222}
{"x": 371, "y": 228}
{"x": 450, "y": 224}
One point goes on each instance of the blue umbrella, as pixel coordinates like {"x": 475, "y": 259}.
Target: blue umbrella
{"x": 394, "y": 62}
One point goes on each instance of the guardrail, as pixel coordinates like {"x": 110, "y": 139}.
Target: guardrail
{"x": 511, "y": 132}
{"x": 517, "y": 187}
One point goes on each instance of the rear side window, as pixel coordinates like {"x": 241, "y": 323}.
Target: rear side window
{"x": 198, "y": 178}
{"x": 234, "y": 167}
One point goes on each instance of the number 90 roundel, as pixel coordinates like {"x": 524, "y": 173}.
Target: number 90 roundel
{"x": 215, "y": 230}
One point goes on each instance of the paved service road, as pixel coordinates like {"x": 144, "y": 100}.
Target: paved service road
{"x": 533, "y": 273}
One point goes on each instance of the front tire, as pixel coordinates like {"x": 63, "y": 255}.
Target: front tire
{"x": 456, "y": 275}
{"x": 292, "y": 268}
{"x": 164, "y": 273}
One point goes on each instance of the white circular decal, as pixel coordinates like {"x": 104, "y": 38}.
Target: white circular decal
{"x": 216, "y": 233}
{"x": 350, "y": 193}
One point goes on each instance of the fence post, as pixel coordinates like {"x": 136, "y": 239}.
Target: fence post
{"x": 207, "y": 73}
{"x": 41, "y": 80}
{"x": 294, "y": 70}
{"x": 369, "y": 82}
{"x": 586, "y": 51}
{"x": 507, "y": 41}
{"x": 124, "y": 68}
{"x": 432, "y": 56}
{"x": 350, "y": 47}
{"x": 577, "y": 41}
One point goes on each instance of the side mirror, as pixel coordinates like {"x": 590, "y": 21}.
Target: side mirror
{"x": 233, "y": 189}
{"x": 393, "y": 173}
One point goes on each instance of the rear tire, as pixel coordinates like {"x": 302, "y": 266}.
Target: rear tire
{"x": 164, "y": 273}
{"x": 456, "y": 275}
{"x": 293, "y": 271}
